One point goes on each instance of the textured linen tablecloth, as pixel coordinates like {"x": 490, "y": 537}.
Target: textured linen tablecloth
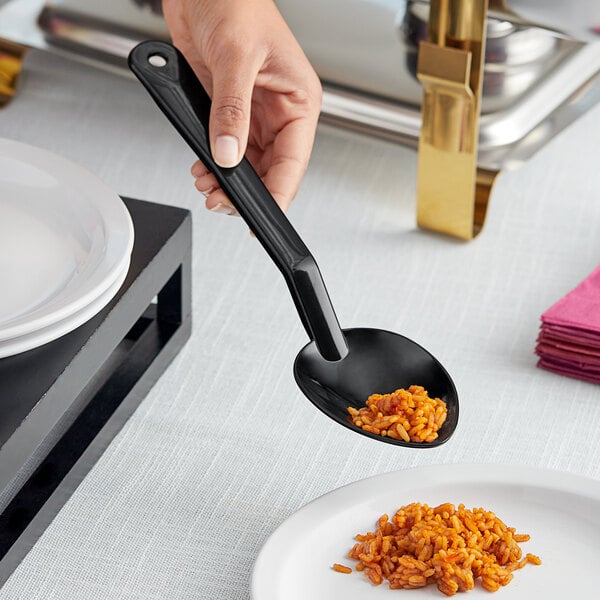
{"x": 225, "y": 447}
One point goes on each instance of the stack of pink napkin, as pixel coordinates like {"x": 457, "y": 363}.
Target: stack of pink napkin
{"x": 569, "y": 340}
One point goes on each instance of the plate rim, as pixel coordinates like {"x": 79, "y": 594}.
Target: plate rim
{"x": 45, "y": 335}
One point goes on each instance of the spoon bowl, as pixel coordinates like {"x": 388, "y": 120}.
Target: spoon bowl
{"x": 338, "y": 368}
{"x": 378, "y": 362}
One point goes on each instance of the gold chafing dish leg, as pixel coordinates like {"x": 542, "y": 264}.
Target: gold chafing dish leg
{"x": 452, "y": 193}
{"x": 11, "y": 59}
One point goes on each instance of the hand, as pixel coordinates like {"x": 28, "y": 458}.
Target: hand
{"x": 266, "y": 97}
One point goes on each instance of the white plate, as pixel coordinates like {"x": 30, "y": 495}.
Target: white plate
{"x": 560, "y": 511}
{"x": 65, "y": 238}
{"x": 47, "y": 334}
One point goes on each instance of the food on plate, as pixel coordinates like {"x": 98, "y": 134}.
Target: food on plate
{"x": 445, "y": 545}
{"x": 341, "y": 568}
{"x": 409, "y": 415}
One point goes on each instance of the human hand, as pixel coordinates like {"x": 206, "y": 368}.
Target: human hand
{"x": 266, "y": 97}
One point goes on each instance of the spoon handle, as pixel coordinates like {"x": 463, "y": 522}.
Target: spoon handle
{"x": 171, "y": 82}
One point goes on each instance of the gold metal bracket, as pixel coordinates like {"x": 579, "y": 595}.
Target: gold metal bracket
{"x": 11, "y": 60}
{"x": 452, "y": 193}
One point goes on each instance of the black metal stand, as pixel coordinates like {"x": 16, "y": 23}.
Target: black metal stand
{"x": 63, "y": 403}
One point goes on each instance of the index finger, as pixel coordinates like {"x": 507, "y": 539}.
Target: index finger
{"x": 290, "y": 155}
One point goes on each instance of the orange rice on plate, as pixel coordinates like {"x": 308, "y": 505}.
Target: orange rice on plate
{"x": 451, "y": 547}
{"x": 409, "y": 415}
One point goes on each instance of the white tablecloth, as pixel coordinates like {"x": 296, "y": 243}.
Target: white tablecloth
{"x": 225, "y": 446}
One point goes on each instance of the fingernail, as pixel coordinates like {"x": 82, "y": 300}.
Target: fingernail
{"x": 223, "y": 209}
{"x": 226, "y": 151}
{"x": 206, "y": 192}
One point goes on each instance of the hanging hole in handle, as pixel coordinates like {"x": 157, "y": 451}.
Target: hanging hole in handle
{"x": 157, "y": 60}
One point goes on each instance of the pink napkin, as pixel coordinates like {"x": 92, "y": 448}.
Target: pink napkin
{"x": 569, "y": 339}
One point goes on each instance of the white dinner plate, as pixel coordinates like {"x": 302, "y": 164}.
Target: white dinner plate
{"x": 560, "y": 511}
{"x": 52, "y": 332}
{"x": 65, "y": 239}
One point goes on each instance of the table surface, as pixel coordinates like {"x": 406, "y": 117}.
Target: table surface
{"x": 225, "y": 447}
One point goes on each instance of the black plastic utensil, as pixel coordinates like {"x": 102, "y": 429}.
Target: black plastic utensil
{"x": 338, "y": 368}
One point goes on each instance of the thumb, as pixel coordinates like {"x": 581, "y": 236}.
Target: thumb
{"x": 230, "y": 113}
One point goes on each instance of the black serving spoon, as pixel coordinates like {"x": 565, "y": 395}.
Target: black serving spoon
{"x": 338, "y": 368}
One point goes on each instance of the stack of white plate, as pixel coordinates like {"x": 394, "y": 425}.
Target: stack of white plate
{"x": 65, "y": 246}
